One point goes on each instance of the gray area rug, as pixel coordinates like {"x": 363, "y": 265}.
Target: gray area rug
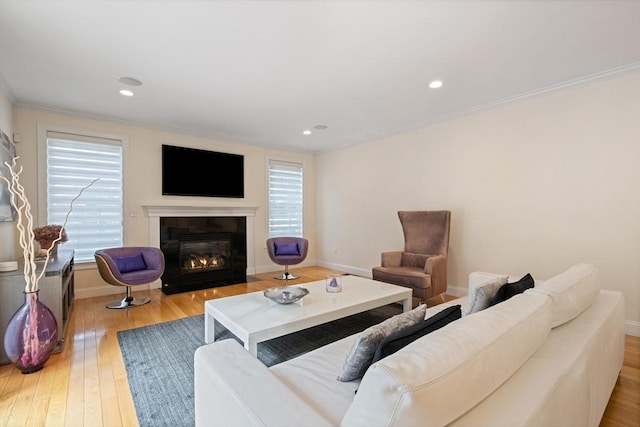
{"x": 159, "y": 359}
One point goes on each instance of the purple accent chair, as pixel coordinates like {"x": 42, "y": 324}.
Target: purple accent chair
{"x": 130, "y": 266}
{"x": 287, "y": 251}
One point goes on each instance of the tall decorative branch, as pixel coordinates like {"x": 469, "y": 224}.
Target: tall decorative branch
{"x": 32, "y": 353}
{"x": 22, "y": 206}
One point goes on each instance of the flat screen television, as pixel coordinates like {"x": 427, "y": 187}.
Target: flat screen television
{"x": 193, "y": 172}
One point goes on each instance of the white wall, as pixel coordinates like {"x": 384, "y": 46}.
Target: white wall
{"x": 534, "y": 186}
{"x": 144, "y": 184}
{"x": 7, "y": 229}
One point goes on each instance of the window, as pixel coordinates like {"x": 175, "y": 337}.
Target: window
{"x": 285, "y": 199}
{"x": 71, "y": 162}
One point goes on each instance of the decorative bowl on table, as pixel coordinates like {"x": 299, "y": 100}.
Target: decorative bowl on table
{"x": 286, "y": 294}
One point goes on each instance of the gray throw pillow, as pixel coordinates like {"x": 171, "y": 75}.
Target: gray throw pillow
{"x": 481, "y": 296}
{"x": 364, "y": 347}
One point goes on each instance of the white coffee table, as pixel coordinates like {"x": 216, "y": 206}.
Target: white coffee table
{"x": 253, "y": 318}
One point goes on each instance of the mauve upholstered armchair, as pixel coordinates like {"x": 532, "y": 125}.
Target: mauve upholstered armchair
{"x": 287, "y": 251}
{"x": 128, "y": 267}
{"x": 422, "y": 265}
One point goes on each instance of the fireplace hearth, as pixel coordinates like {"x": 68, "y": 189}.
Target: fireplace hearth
{"x": 203, "y": 252}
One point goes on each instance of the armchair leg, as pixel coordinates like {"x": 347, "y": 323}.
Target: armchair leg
{"x": 128, "y": 301}
{"x": 444, "y": 297}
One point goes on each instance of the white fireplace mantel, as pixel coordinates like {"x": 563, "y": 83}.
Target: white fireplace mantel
{"x": 155, "y": 212}
{"x": 186, "y": 211}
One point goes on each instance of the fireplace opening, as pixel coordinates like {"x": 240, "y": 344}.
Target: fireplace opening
{"x": 203, "y": 252}
{"x": 204, "y": 255}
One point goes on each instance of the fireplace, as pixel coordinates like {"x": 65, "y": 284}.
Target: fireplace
{"x": 176, "y": 211}
{"x": 203, "y": 252}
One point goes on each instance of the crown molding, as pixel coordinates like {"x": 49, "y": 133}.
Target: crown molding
{"x": 627, "y": 68}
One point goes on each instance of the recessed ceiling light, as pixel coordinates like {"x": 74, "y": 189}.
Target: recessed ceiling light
{"x": 130, "y": 81}
{"x": 126, "y": 92}
{"x": 435, "y": 84}
{"x": 307, "y": 132}
{"x": 320, "y": 127}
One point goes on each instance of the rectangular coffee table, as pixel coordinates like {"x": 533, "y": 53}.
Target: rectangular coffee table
{"x": 253, "y": 318}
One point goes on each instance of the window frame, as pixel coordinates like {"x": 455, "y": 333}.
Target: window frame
{"x": 302, "y": 164}
{"x": 42, "y": 189}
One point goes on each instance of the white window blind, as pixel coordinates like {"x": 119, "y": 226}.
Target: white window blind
{"x": 96, "y": 220}
{"x": 285, "y": 199}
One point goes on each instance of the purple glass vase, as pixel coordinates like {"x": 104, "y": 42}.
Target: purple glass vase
{"x": 31, "y": 335}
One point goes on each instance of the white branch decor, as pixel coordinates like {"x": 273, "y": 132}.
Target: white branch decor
{"x": 25, "y": 225}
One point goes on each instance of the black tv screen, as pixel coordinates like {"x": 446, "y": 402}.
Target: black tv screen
{"x": 193, "y": 172}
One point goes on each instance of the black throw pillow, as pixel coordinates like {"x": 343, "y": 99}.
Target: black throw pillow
{"x": 406, "y": 336}
{"x": 509, "y": 290}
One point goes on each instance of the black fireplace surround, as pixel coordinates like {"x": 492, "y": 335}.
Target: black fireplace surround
{"x": 203, "y": 252}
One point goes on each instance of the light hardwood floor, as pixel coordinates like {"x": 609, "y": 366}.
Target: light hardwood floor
{"x": 86, "y": 384}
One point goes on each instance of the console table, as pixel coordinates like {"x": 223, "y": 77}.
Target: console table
{"x": 56, "y": 292}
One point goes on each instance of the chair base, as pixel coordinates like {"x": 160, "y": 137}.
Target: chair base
{"x": 286, "y": 276}
{"x": 128, "y": 301}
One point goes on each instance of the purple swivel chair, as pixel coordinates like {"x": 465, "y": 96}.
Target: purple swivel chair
{"x": 287, "y": 251}
{"x": 130, "y": 266}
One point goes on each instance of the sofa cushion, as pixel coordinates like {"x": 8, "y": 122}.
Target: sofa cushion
{"x": 482, "y": 294}
{"x": 361, "y": 353}
{"x": 405, "y": 336}
{"x": 444, "y": 374}
{"x": 312, "y": 378}
{"x": 509, "y": 290}
{"x": 128, "y": 264}
{"x": 233, "y": 388}
{"x": 412, "y": 277}
{"x": 571, "y": 292}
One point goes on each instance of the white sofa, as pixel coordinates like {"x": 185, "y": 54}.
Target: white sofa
{"x": 547, "y": 357}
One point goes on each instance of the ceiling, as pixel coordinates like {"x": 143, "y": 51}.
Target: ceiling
{"x": 262, "y": 72}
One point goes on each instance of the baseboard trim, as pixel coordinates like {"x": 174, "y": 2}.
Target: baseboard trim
{"x": 456, "y": 291}
{"x": 346, "y": 268}
{"x": 632, "y": 328}
{"x": 100, "y": 291}
{"x": 275, "y": 267}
